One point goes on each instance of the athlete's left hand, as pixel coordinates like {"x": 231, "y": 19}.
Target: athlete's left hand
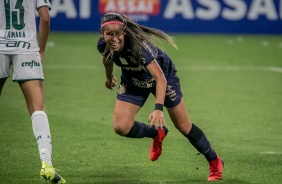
{"x": 156, "y": 119}
{"x": 111, "y": 82}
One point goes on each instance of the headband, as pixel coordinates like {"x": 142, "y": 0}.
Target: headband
{"x": 112, "y": 22}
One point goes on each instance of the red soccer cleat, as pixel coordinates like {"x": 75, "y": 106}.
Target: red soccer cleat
{"x": 216, "y": 168}
{"x": 156, "y": 147}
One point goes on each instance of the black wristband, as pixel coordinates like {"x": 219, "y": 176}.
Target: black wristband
{"x": 159, "y": 106}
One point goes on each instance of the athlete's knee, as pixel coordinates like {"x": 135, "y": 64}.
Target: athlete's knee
{"x": 120, "y": 128}
{"x": 183, "y": 127}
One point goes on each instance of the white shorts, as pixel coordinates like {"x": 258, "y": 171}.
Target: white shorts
{"x": 23, "y": 66}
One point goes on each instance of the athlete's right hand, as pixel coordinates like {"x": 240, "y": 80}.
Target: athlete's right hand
{"x": 111, "y": 82}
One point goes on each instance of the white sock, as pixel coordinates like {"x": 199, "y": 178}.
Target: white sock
{"x": 41, "y": 130}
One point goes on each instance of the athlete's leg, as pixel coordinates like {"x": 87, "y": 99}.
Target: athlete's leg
{"x": 125, "y": 124}
{"x": 182, "y": 122}
{"x": 124, "y": 116}
{"x": 4, "y": 69}
{"x": 34, "y": 95}
{"x": 197, "y": 138}
{"x": 180, "y": 118}
{"x": 129, "y": 101}
{"x": 2, "y": 82}
{"x": 33, "y": 92}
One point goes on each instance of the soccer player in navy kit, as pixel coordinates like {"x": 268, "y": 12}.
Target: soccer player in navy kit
{"x": 147, "y": 69}
{"x": 20, "y": 52}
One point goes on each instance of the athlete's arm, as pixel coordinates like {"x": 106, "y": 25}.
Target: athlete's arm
{"x": 160, "y": 79}
{"x": 44, "y": 29}
{"x": 157, "y": 117}
{"x": 110, "y": 78}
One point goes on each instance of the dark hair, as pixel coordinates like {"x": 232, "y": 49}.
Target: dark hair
{"x": 137, "y": 33}
{"x": 112, "y": 17}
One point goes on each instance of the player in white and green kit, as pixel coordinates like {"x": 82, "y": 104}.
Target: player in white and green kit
{"x": 21, "y": 56}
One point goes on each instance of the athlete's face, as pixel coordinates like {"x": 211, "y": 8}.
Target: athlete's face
{"x": 114, "y": 36}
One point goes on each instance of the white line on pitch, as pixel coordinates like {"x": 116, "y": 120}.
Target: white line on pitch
{"x": 271, "y": 153}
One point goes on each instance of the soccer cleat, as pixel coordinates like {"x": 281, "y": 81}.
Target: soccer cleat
{"x": 216, "y": 168}
{"x": 156, "y": 147}
{"x": 49, "y": 173}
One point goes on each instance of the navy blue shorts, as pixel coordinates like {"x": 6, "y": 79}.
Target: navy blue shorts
{"x": 138, "y": 96}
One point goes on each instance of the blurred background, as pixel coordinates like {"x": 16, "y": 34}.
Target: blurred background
{"x": 230, "y": 68}
{"x": 176, "y": 16}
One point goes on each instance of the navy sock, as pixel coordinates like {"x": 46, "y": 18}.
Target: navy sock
{"x": 140, "y": 130}
{"x": 198, "y": 139}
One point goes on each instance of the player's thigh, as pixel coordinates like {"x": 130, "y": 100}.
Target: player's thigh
{"x": 125, "y": 112}
{"x": 124, "y": 116}
{"x": 5, "y": 64}
{"x": 129, "y": 101}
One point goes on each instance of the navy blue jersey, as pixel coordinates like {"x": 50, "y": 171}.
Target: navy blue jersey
{"x": 134, "y": 70}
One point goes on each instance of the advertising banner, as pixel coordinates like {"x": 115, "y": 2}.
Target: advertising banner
{"x": 177, "y": 16}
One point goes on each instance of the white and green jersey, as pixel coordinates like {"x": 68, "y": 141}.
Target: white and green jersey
{"x": 18, "y": 25}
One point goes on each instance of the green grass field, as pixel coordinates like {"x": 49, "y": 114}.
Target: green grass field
{"x": 232, "y": 87}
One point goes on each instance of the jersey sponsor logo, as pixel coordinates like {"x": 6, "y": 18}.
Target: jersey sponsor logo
{"x": 135, "y": 69}
{"x": 150, "y": 7}
{"x": 31, "y": 64}
{"x": 131, "y": 59}
{"x": 143, "y": 84}
{"x": 17, "y": 44}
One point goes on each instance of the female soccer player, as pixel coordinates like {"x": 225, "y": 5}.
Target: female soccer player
{"x": 147, "y": 69}
{"x": 19, "y": 50}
